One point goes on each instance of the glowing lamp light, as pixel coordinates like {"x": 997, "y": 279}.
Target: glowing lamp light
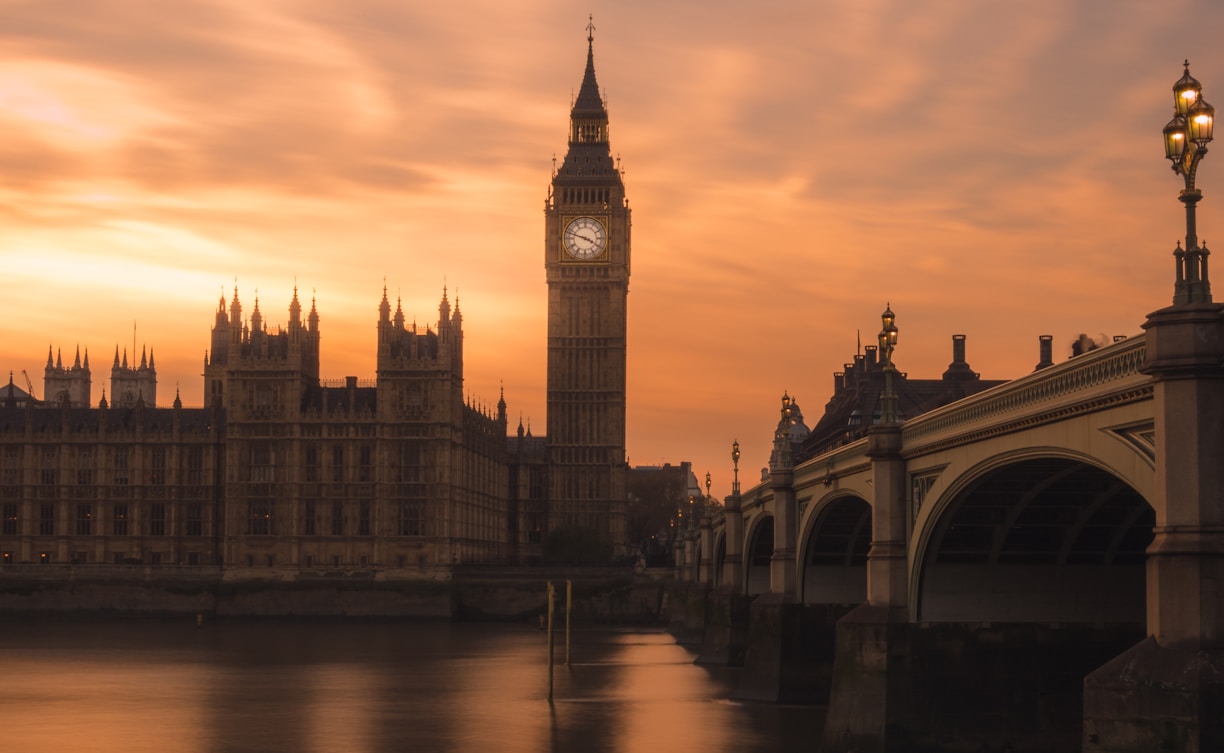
{"x": 1175, "y": 139}
{"x": 1200, "y": 122}
{"x": 1186, "y": 92}
{"x": 888, "y": 334}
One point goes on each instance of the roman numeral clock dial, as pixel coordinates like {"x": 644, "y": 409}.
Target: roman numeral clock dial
{"x": 584, "y": 238}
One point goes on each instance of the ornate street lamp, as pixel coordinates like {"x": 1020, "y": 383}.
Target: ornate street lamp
{"x": 1186, "y": 137}
{"x": 735, "y": 456}
{"x": 707, "y": 497}
{"x": 888, "y": 342}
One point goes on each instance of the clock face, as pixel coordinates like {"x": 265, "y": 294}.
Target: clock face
{"x": 585, "y": 238}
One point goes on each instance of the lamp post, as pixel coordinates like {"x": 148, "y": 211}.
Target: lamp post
{"x": 888, "y": 341}
{"x": 735, "y": 456}
{"x": 1186, "y": 137}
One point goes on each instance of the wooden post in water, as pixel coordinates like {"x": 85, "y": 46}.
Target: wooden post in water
{"x": 550, "y": 641}
{"x": 569, "y": 604}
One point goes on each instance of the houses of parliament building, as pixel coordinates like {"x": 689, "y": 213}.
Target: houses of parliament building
{"x": 281, "y": 473}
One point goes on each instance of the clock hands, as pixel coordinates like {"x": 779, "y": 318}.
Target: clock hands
{"x": 586, "y": 238}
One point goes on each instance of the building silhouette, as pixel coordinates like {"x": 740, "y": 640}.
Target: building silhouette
{"x": 587, "y": 261}
{"x": 282, "y": 474}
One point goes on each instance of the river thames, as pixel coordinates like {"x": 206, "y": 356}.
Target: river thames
{"x": 307, "y": 687}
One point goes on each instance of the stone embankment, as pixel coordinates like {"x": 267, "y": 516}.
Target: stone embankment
{"x": 485, "y": 594}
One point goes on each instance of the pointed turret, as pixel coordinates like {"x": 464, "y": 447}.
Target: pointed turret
{"x": 256, "y": 317}
{"x": 76, "y": 362}
{"x": 295, "y": 310}
{"x": 144, "y": 360}
{"x": 399, "y": 314}
{"x": 115, "y": 365}
{"x": 59, "y": 363}
{"x": 235, "y": 311}
{"x": 312, "y": 318}
{"x": 50, "y": 362}
{"x": 87, "y": 359}
{"x": 384, "y": 307}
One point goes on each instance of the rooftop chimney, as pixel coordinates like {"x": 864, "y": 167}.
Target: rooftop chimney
{"x": 959, "y": 368}
{"x": 1047, "y": 352}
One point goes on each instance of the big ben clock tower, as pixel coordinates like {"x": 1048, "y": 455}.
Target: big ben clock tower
{"x": 586, "y": 255}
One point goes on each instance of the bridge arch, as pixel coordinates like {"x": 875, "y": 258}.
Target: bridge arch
{"x": 833, "y": 551}
{"x": 720, "y": 558}
{"x": 1038, "y": 535}
{"x": 758, "y": 553}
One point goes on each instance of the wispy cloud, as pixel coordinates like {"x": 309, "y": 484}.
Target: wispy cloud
{"x": 988, "y": 168}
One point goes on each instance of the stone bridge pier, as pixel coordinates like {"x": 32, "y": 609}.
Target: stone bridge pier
{"x": 1167, "y": 692}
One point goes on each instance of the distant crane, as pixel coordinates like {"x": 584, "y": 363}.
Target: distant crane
{"x": 29, "y": 384}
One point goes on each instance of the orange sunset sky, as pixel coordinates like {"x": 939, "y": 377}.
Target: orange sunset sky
{"x": 990, "y": 168}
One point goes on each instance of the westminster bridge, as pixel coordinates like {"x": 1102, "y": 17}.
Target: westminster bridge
{"x": 1037, "y": 567}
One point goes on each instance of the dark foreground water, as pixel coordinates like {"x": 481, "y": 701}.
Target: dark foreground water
{"x": 289, "y": 687}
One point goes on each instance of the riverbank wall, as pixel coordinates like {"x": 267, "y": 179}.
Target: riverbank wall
{"x": 599, "y": 595}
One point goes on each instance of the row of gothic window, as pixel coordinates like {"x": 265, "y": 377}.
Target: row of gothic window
{"x": 333, "y": 521}
{"x": 86, "y": 521}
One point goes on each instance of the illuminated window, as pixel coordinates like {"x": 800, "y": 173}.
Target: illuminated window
{"x": 84, "y": 520}
{"x": 261, "y": 517}
{"x": 10, "y": 521}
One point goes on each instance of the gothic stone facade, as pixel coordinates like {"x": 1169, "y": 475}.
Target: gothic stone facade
{"x": 281, "y": 473}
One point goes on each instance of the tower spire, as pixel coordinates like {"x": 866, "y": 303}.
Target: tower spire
{"x": 589, "y": 102}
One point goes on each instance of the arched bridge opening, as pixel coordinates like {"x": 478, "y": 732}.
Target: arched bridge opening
{"x": 835, "y": 553}
{"x": 1033, "y": 576}
{"x": 760, "y": 553}
{"x": 1046, "y": 540}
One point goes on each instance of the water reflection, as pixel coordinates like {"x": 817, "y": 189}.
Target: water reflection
{"x": 367, "y": 688}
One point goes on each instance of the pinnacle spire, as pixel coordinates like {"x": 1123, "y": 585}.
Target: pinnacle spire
{"x": 589, "y": 102}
